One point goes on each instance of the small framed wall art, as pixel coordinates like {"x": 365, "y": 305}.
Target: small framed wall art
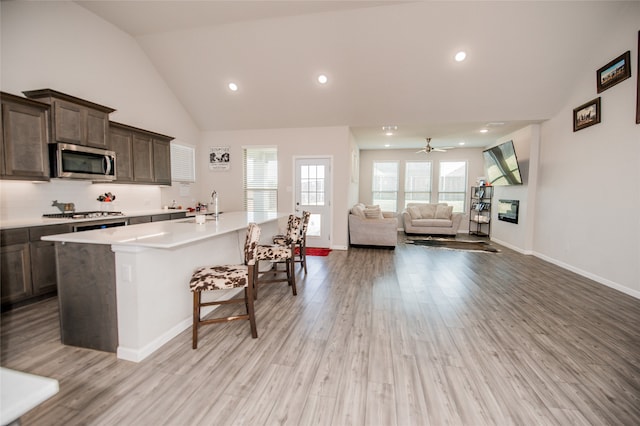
{"x": 586, "y": 115}
{"x": 219, "y": 158}
{"x": 614, "y": 72}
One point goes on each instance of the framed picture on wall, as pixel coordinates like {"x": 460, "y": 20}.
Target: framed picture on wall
{"x": 586, "y": 115}
{"x": 219, "y": 158}
{"x": 614, "y": 72}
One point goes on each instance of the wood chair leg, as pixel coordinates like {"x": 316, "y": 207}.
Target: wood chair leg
{"x": 249, "y": 297}
{"x": 196, "y": 319}
{"x": 303, "y": 257}
{"x": 291, "y": 272}
{"x": 254, "y": 284}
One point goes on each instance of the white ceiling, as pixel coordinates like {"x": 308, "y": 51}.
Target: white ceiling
{"x": 388, "y": 62}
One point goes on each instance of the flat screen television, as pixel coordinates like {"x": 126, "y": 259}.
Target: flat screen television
{"x": 501, "y": 165}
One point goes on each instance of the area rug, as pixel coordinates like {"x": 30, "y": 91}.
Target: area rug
{"x": 316, "y": 251}
{"x": 452, "y": 244}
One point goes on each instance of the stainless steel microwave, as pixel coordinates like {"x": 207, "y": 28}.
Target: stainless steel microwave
{"x": 81, "y": 162}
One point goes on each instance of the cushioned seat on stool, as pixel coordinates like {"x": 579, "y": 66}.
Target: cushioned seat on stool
{"x": 281, "y": 253}
{"x": 300, "y": 244}
{"x": 225, "y": 277}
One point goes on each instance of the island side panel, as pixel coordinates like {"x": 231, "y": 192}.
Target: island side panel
{"x": 87, "y": 296}
{"x": 154, "y": 300}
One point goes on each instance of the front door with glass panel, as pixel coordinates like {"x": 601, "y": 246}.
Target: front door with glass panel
{"x": 313, "y": 194}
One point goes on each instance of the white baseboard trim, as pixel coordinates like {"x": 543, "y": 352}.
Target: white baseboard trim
{"x": 339, "y": 248}
{"x": 137, "y": 355}
{"x": 512, "y": 247}
{"x": 586, "y": 274}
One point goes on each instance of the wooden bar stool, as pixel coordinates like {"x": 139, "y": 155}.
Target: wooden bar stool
{"x": 224, "y": 277}
{"x": 301, "y": 243}
{"x": 280, "y": 253}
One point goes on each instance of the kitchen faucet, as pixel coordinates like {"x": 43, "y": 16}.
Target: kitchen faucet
{"x": 214, "y": 200}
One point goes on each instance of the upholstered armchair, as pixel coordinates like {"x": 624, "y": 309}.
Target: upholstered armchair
{"x": 370, "y": 226}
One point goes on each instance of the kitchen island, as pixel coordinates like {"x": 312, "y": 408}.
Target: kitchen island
{"x": 126, "y": 289}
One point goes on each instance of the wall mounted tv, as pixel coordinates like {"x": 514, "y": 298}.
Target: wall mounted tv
{"x": 501, "y": 165}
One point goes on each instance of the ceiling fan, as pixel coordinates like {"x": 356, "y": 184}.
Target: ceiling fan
{"x": 428, "y": 148}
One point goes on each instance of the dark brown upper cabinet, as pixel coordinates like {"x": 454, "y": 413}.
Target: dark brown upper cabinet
{"x": 75, "y": 120}
{"x": 121, "y": 142}
{"x": 142, "y": 156}
{"x": 24, "y": 139}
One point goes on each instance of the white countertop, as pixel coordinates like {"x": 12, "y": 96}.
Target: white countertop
{"x": 42, "y": 221}
{"x": 21, "y": 392}
{"x": 168, "y": 234}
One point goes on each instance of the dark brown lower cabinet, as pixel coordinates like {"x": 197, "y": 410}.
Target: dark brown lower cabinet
{"x": 28, "y": 264}
{"x": 15, "y": 268}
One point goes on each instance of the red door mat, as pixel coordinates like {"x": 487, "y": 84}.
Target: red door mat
{"x": 316, "y": 251}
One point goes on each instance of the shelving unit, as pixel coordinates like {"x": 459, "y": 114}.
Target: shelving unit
{"x": 480, "y": 210}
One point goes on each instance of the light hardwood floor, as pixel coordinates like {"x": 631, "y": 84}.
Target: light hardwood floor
{"x": 415, "y": 336}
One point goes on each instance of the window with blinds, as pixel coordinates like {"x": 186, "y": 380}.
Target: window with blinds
{"x": 183, "y": 159}
{"x": 453, "y": 184}
{"x": 417, "y": 182}
{"x": 260, "y": 180}
{"x": 385, "y": 184}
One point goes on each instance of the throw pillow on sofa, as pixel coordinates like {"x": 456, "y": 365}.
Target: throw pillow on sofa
{"x": 444, "y": 211}
{"x": 373, "y": 212}
{"x": 358, "y": 210}
{"x": 414, "y": 212}
{"x": 427, "y": 211}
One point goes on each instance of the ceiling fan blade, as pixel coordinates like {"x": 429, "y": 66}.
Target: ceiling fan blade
{"x": 438, "y": 150}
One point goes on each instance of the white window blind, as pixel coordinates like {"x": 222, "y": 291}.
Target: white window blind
{"x": 183, "y": 163}
{"x": 385, "y": 184}
{"x": 260, "y": 179}
{"x": 417, "y": 182}
{"x": 453, "y": 184}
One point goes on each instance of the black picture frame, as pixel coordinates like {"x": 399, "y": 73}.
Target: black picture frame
{"x": 614, "y": 72}
{"x": 638, "y": 83}
{"x": 586, "y": 114}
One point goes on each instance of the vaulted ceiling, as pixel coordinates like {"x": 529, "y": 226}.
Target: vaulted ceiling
{"x": 387, "y": 62}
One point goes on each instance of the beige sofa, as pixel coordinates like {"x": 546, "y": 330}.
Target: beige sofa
{"x": 433, "y": 219}
{"x": 369, "y": 226}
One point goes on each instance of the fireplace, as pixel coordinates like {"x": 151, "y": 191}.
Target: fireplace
{"x": 508, "y": 210}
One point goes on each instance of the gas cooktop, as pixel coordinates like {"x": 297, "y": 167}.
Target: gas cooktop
{"x": 81, "y": 215}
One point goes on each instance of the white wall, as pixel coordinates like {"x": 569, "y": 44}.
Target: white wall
{"x": 587, "y": 215}
{"x": 331, "y": 142}
{"x": 473, "y": 157}
{"x": 519, "y": 236}
{"x": 354, "y": 187}
{"x": 62, "y": 46}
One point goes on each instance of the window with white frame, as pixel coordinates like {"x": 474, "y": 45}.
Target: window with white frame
{"x": 260, "y": 179}
{"x": 385, "y": 184}
{"x": 452, "y": 184}
{"x": 183, "y": 159}
{"x": 417, "y": 182}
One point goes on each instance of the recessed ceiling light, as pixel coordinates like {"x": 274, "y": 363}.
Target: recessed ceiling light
{"x": 460, "y": 143}
{"x": 322, "y": 79}
{"x": 233, "y": 87}
{"x": 483, "y": 131}
{"x": 460, "y": 56}
{"x": 386, "y": 145}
